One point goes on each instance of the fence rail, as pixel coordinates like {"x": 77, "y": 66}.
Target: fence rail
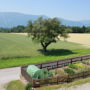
{"x": 60, "y": 79}
{"x": 62, "y": 63}
{"x": 53, "y": 65}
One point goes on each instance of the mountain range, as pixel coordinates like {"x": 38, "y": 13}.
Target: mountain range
{"x": 11, "y": 19}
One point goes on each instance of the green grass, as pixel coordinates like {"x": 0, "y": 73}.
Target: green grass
{"x": 39, "y": 59}
{"x": 15, "y": 85}
{"x": 13, "y": 46}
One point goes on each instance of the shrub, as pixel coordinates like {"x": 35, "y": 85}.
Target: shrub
{"x": 77, "y": 66}
{"x": 28, "y": 87}
{"x": 86, "y": 62}
{"x": 74, "y": 66}
{"x": 80, "y": 65}
{"x": 69, "y": 71}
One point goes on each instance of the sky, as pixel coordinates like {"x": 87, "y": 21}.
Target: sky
{"x": 67, "y": 9}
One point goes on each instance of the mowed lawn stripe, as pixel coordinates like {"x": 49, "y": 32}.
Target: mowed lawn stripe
{"x": 13, "y": 45}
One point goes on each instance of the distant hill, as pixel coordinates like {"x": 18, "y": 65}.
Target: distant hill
{"x": 73, "y": 23}
{"x": 11, "y": 19}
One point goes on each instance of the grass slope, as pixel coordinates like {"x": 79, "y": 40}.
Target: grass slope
{"x": 13, "y": 46}
{"x": 15, "y": 85}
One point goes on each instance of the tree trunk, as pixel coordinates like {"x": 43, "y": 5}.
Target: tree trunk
{"x": 45, "y": 49}
{"x": 45, "y": 45}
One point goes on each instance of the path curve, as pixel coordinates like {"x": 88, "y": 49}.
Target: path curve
{"x": 9, "y": 74}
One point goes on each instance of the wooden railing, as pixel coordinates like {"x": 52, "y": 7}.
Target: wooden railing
{"x": 60, "y": 79}
{"x": 53, "y": 65}
{"x": 62, "y": 63}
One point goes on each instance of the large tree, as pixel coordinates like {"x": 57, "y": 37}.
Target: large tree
{"x": 46, "y": 31}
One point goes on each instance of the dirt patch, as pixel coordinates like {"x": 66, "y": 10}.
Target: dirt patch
{"x": 20, "y": 33}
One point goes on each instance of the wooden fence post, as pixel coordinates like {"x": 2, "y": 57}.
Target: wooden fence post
{"x": 57, "y": 64}
{"x": 81, "y": 59}
{"x": 68, "y": 79}
{"x": 57, "y": 79}
{"x": 71, "y": 61}
{"x": 41, "y": 66}
{"x": 83, "y": 74}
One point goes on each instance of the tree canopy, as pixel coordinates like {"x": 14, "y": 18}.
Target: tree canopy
{"x": 46, "y": 31}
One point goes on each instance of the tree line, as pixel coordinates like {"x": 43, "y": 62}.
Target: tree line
{"x": 21, "y": 29}
{"x": 77, "y": 29}
{"x": 16, "y": 29}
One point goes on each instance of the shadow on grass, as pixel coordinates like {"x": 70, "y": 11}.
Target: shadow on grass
{"x": 56, "y": 52}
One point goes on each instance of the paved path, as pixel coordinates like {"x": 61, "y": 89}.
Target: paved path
{"x": 79, "y": 87}
{"x": 7, "y": 75}
{"x": 2, "y": 87}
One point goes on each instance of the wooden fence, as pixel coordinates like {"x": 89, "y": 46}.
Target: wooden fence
{"x": 62, "y": 63}
{"x": 60, "y": 79}
{"x": 53, "y": 65}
